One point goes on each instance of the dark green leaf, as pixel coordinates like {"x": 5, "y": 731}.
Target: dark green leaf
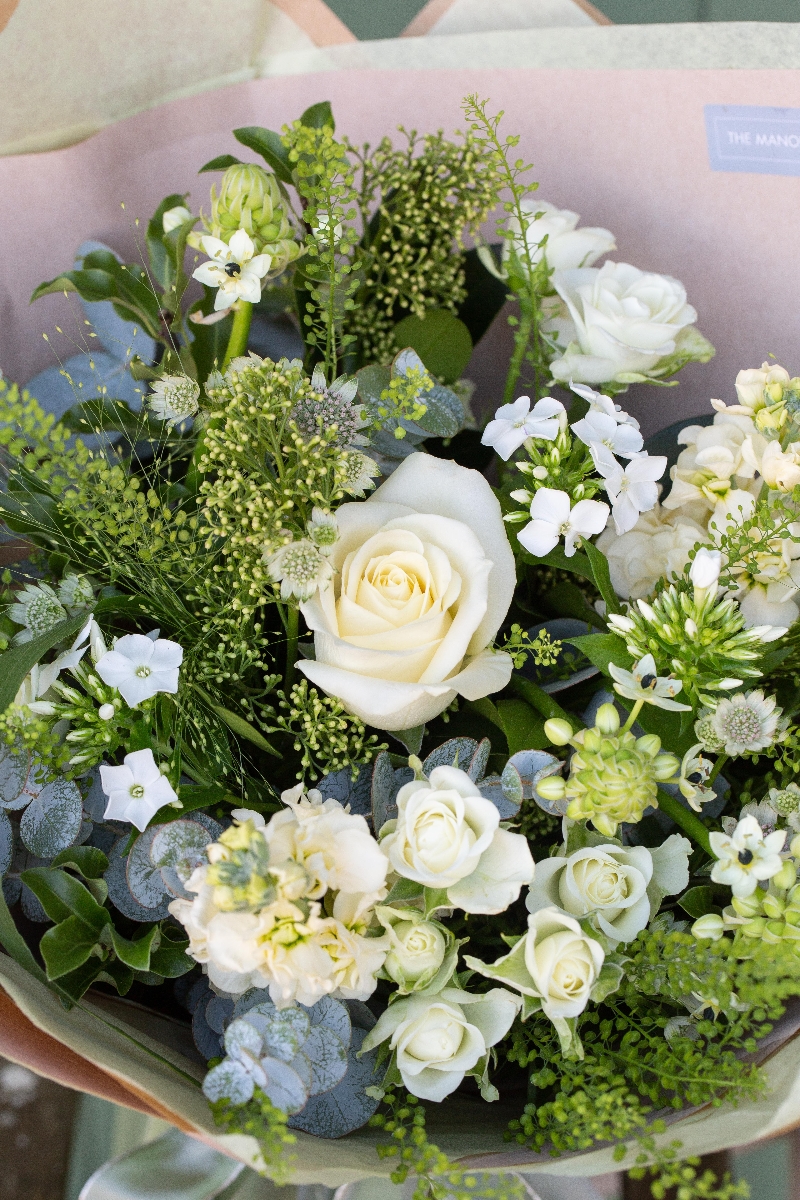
{"x": 567, "y": 600}
{"x": 136, "y": 953}
{"x": 77, "y": 982}
{"x": 444, "y": 413}
{"x": 171, "y": 962}
{"x": 318, "y": 116}
{"x": 67, "y": 946}
{"x": 90, "y": 861}
{"x": 62, "y": 895}
{"x": 603, "y": 648}
{"x": 159, "y": 258}
{"x": 220, "y": 163}
{"x": 404, "y": 889}
{"x": 524, "y": 728}
{"x": 244, "y": 729}
{"x": 269, "y": 145}
{"x": 602, "y": 578}
{"x": 192, "y": 796}
{"x": 486, "y": 295}
{"x": 698, "y": 901}
{"x": 578, "y": 564}
{"x": 440, "y": 339}
{"x": 14, "y": 944}
{"x": 119, "y": 974}
{"x": 17, "y": 662}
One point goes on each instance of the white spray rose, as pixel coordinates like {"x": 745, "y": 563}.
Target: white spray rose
{"x": 657, "y": 546}
{"x": 566, "y": 245}
{"x": 606, "y": 882}
{"x": 424, "y": 579}
{"x": 446, "y": 837}
{"x": 438, "y": 1040}
{"x": 421, "y": 953}
{"x": 626, "y": 321}
{"x": 555, "y": 964}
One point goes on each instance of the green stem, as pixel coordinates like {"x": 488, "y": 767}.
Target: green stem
{"x": 237, "y": 342}
{"x": 715, "y": 770}
{"x": 538, "y": 699}
{"x": 521, "y": 339}
{"x": 637, "y": 708}
{"x": 292, "y": 627}
{"x": 686, "y": 819}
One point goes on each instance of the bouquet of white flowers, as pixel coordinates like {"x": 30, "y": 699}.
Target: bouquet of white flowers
{"x": 415, "y": 766}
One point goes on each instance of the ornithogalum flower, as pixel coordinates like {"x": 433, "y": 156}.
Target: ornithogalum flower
{"x": 643, "y": 684}
{"x": 746, "y": 857}
{"x": 234, "y": 268}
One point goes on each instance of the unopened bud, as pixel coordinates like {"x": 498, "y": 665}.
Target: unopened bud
{"x": 747, "y": 906}
{"x": 558, "y": 731}
{"x": 787, "y": 875}
{"x": 607, "y": 719}
{"x": 106, "y": 711}
{"x": 649, "y": 743}
{"x": 551, "y": 788}
{"x": 710, "y": 926}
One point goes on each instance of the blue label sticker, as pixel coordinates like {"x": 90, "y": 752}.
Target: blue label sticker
{"x": 761, "y": 141}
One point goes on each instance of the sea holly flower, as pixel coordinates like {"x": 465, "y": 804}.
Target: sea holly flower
{"x": 746, "y": 857}
{"x": 136, "y": 790}
{"x": 37, "y": 608}
{"x": 600, "y": 429}
{"x": 233, "y": 268}
{"x": 644, "y": 686}
{"x": 514, "y": 423}
{"x": 139, "y": 667}
{"x": 746, "y": 723}
{"x": 632, "y": 489}
{"x": 552, "y": 518}
{"x": 300, "y": 567}
{"x": 174, "y": 398}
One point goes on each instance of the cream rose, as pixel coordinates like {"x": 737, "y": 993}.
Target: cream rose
{"x": 438, "y": 1040}
{"x": 566, "y": 245}
{"x": 447, "y": 837}
{"x": 607, "y": 883}
{"x": 425, "y": 576}
{"x": 419, "y": 950}
{"x": 555, "y": 964}
{"x": 626, "y": 321}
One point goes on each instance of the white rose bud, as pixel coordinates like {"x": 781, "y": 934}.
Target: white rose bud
{"x": 417, "y": 948}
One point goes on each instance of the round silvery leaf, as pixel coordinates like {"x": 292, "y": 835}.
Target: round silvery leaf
{"x": 327, "y": 1054}
{"x": 284, "y": 1032}
{"x": 283, "y": 1085}
{"x": 242, "y": 1038}
{"x": 12, "y": 889}
{"x": 95, "y": 800}
{"x": 6, "y": 843}
{"x": 228, "y": 1081}
{"x": 218, "y": 1012}
{"x": 52, "y": 820}
{"x": 207, "y": 1041}
{"x": 333, "y": 1015}
{"x": 301, "y": 1064}
{"x": 21, "y": 778}
{"x": 180, "y": 845}
{"x": 32, "y": 907}
{"x": 347, "y": 1107}
{"x": 120, "y": 894}
{"x": 144, "y": 880}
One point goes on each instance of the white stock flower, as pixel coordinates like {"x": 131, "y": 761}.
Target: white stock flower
{"x": 233, "y": 268}
{"x": 781, "y": 468}
{"x": 174, "y": 217}
{"x": 656, "y": 547}
{"x": 139, "y": 667}
{"x": 566, "y": 245}
{"x": 447, "y": 837}
{"x": 300, "y": 567}
{"x": 718, "y": 459}
{"x": 356, "y": 960}
{"x": 439, "y": 1039}
{"x": 514, "y": 423}
{"x": 746, "y": 723}
{"x": 136, "y": 790}
{"x": 606, "y": 882}
{"x": 632, "y": 489}
{"x": 552, "y": 518}
{"x": 746, "y": 857}
{"x": 600, "y": 429}
{"x": 642, "y": 683}
{"x": 751, "y": 385}
{"x": 174, "y": 398}
{"x": 424, "y": 578}
{"x": 626, "y": 321}
{"x": 554, "y": 962}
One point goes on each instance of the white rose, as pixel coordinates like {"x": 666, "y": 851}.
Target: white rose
{"x": 658, "y": 544}
{"x": 626, "y": 321}
{"x": 751, "y": 385}
{"x": 446, "y": 837}
{"x": 555, "y": 964}
{"x": 439, "y": 1039}
{"x": 425, "y": 576}
{"x": 606, "y": 882}
{"x": 417, "y": 948}
{"x": 566, "y": 245}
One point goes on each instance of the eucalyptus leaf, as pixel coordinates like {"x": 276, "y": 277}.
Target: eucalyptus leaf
{"x": 444, "y": 413}
{"x": 347, "y": 1107}
{"x": 52, "y": 820}
{"x": 207, "y": 1041}
{"x": 228, "y": 1081}
{"x": 341, "y": 786}
{"x": 457, "y": 752}
{"x": 19, "y": 779}
{"x": 327, "y": 1054}
{"x": 219, "y": 1011}
{"x": 6, "y": 843}
{"x": 333, "y": 1015}
{"x": 119, "y": 892}
{"x": 144, "y": 877}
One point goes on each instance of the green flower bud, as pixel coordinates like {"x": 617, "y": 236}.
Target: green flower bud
{"x": 773, "y": 931}
{"x": 773, "y": 907}
{"x": 613, "y": 780}
{"x": 748, "y": 906}
{"x": 607, "y": 719}
{"x": 794, "y": 846}
{"x": 786, "y": 876}
{"x": 710, "y": 926}
{"x": 649, "y": 744}
{"x": 665, "y": 766}
{"x": 250, "y": 198}
{"x": 755, "y": 928}
{"x": 558, "y": 731}
{"x": 551, "y": 788}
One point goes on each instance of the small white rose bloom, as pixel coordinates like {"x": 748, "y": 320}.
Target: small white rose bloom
{"x": 439, "y": 1039}
{"x": 417, "y": 948}
{"x": 566, "y": 245}
{"x": 552, "y": 518}
{"x": 174, "y": 217}
{"x": 447, "y": 836}
{"x": 136, "y": 790}
{"x": 174, "y": 398}
{"x": 746, "y": 723}
{"x": 139, "y": 667}
{"x": 235, "y": 269}
{"x": 323, "y": 529}
{"x": 642, "y": 683}
{"x": 781, "y": 469}
{"x": 607, "y": 883}
{"x": 554, "y": 962}
{"x": 746, "y": 857}
{"x": 600, "y": 429}
{"x": 514, "y": 423}
{"x": 632, "y": 489}
{"x": 705, "y": 569}
{"x": 300, "y": 567}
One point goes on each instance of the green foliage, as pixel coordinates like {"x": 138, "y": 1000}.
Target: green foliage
{"x": 327, "y": 738}
{"x": 260, "y": 1119}
{"x": 441, "y": 340}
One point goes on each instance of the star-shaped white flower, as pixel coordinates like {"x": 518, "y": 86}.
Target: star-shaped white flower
{"x": 136, "y": 790}
{"x": 693, "y": 782}
{"x": 552, "y": 518}
{"x": 599, "y": 429}
{"x": 513, "y": 423}
{"x": 642, "y": 683}
{"x": 746, "y": 857}
{"x": 234, "y": 268}
{"x": 632, "y": 489}
{"x": 603, "y": 404}
{"x": 140, "y": 666}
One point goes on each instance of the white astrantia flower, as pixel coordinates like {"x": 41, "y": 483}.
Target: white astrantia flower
{"x": 233, "y": 268}
{"x": 746, "y": 723}
{"x": 600, "y": 429}
{"x": 552, "y": 518}
{"x": 746, "y": 857}
{"x": 603, "y": 404}
{"x": 174, "y": 217}
{"x": 359, "y": 473}
{"x": 632, "y": 489}
{"x": 323, "y": 529}
{"x": 136, "y": 790}
{"x": 693, "y": 783}
{"x": 300, "y": 567}
{"x": 174, "y": 398}
{"x": 643, "y": 684}
{"x": 514, "y": 423}
{"x": 440, "y": 1039}
{"x": 76, "y": 591}
{"x": 37, "y": 608}
{"x": 139, "y": 667}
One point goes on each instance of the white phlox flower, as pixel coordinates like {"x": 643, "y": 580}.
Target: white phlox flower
{"x": 746, "y": 857}
{"x": 234, "y": 269}
{"x": 139, "y": 667}
{"x": 552, "y": 518}
{"x": 747, "y": 722}
{"x": 514, "y": 423}
{"x": 603, "y": 404}
{"x": 642, "y": 683}
{"x": 174, "y": 398}
{"x": 632, "y": 489}
{"x": 693, "y": 782}
{"x": 300, "y": 567}
{"x": 599, "y": 429}
{"x": 136, "y": 790}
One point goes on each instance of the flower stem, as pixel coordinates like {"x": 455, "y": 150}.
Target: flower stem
{"x": 637, "y": 708}
{"x": 292, "y": 627}
{"x": 715, "y": 770}
{"x": 522, "y": 337}
{"x": 538, "y": 699}
{"x": 687, "y": 821}
{"x": 237, "y": 342}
